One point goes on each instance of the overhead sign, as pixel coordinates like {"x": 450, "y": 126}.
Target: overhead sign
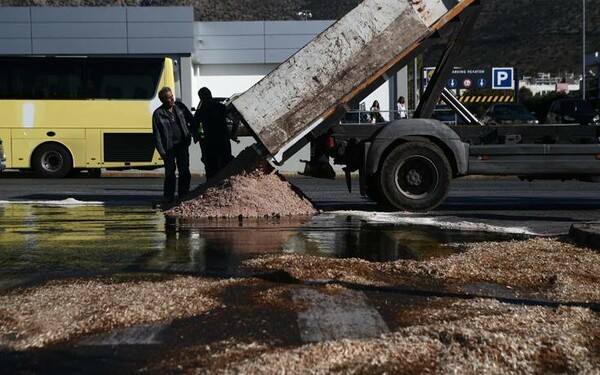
{"x": 470, "y": 78}
{"x": 503, "y": 79}
{"x": 487, "y": 78}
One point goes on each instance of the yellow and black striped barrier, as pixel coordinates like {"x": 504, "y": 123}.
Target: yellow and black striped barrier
{"x": 487, "y": 98}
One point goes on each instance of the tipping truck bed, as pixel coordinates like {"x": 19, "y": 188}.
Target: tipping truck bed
{"x": 348, "y": 60}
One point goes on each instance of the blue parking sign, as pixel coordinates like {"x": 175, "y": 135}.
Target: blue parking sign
{"x": 503, "y": 79}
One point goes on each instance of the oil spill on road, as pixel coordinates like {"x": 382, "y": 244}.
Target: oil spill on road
{"x": 41, "y": 243}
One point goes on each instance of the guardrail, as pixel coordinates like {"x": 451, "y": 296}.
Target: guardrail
{"x": 361, "y": 117}
{"x": 368, "y": 117}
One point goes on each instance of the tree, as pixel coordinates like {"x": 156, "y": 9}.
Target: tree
{"x": 525, "y": 94}
{"x": 539, "y": 104}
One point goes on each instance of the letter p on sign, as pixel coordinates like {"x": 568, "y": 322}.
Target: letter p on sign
{"x": 503, "y": 79}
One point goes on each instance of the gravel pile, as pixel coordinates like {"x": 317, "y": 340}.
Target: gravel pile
{"x": 429, "y": 335}
{"x": 467, "y": 337}
{"x": 540, "y": 267}
{"x": 61, "y": 310}
{"x": 247, "y": 195}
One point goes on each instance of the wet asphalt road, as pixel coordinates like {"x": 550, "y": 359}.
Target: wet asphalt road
{"x": 543, "y": 207}
{"x": 86, "y": 242}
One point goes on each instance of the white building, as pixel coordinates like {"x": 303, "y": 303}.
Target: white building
{"x": 545, "y": 83}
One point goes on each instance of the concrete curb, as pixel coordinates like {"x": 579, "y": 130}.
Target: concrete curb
{"x": 586, "y": 234}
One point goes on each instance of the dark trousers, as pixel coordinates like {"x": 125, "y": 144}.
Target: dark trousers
{"x": 215, "y": 155}
{"x": 178, "y": 158}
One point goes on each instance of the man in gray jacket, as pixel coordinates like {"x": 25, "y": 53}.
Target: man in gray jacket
{"x": 170, "y": 126}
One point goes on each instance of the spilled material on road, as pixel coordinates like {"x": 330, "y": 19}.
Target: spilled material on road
{"x": 248, "y": 195}
{"x": 263, "y": 296}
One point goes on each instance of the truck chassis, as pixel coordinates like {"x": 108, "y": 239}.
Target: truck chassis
{"x": 409, "y": 164}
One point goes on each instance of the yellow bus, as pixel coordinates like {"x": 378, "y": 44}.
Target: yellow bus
{"x": 66, "y": 114}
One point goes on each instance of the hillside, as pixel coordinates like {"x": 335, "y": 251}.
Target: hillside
{"x": 533, "y": 35}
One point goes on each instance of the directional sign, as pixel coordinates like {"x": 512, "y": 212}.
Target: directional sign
{"x": 475, "y": 78}
{"x": 465, "y": 78}
{"x": 503, "y": 79}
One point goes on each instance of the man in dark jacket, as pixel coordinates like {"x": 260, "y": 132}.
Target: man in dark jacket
{"x": 216, "y": 146}
{"x": 170, "y": 126}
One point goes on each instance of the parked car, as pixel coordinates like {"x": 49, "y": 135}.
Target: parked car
{"x": 2, "y": 157}
{"x": 572, "y": 111}
{"x": 507, "y": 113}
{"x": 447, "y": 115}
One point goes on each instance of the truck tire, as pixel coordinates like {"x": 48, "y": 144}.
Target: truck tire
{"x": 415, "y": 176}
{"x": 52, "y": 160}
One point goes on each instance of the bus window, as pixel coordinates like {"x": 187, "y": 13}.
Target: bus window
{"x": 130, "y": 79}
{"x": 41, "y": 79}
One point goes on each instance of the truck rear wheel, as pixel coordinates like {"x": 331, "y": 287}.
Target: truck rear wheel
{"x": 52, "y": 160}
{"x": 415, "y": 176}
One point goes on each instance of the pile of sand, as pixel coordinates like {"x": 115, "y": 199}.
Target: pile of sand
{"x": 248, "y": 195}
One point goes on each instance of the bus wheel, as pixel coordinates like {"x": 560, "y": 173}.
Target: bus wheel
{"x": 52, "y": 160}
{"x": 415, "y": 176}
